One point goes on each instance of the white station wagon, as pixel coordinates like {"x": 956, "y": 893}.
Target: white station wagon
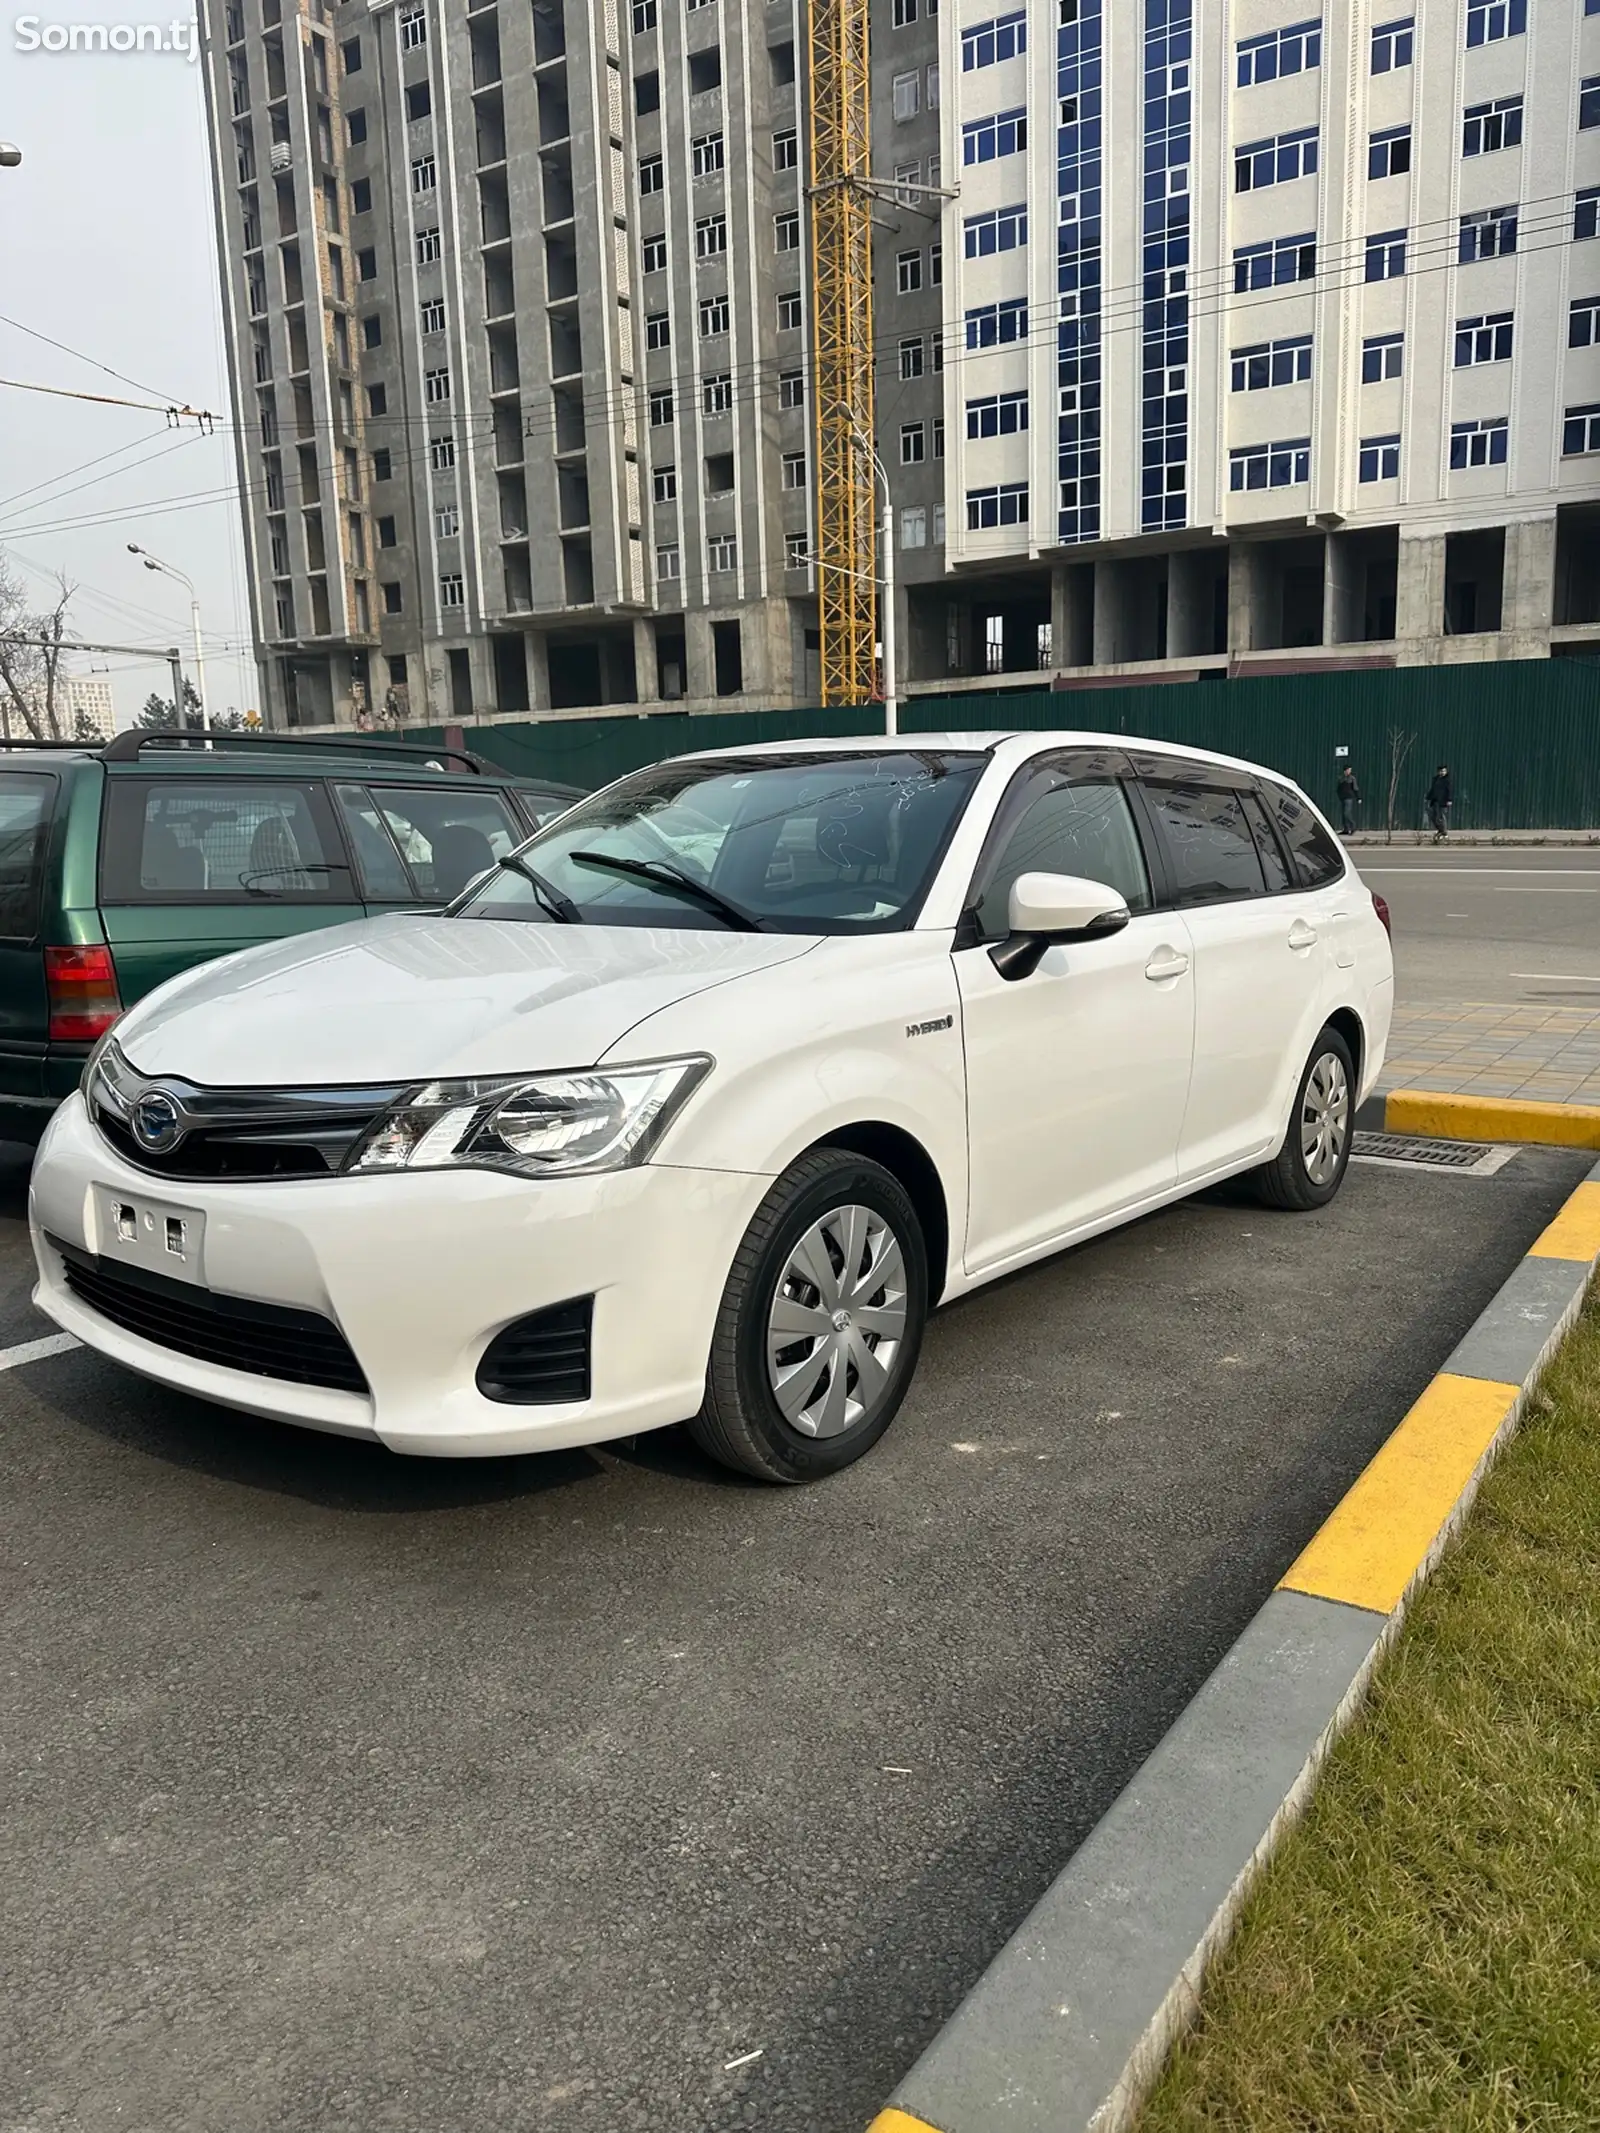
{"x": 694, "y": 1106}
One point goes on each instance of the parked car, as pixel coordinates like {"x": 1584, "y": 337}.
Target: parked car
{"x": 696, "y": 1106}
{"x": 121, "y": 866}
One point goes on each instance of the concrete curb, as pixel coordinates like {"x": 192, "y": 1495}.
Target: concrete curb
{"x": 1419, "y": 1112}
{"x": 1070, "y": 2024}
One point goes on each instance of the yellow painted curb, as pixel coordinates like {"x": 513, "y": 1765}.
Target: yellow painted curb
{"x": 1575, "y": 1232}
{"x": 1491, "y": 1118}
{"x": 1377, "y": 1539}
{"x": 892, "y": 2121}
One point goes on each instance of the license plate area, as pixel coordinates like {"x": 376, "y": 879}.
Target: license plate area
{"x": 152, "y": 1235}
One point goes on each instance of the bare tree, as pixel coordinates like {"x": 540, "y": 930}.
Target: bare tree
{"x": 1401, "y": 744}
{"x": 32, "y": 685}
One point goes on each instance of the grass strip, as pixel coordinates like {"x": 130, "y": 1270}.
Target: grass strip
{"x": 1423, "y": 1954}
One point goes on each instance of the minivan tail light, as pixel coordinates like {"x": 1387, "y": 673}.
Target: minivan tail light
{"x": 82, "y": 987}
{"x": 1382, "y": 910}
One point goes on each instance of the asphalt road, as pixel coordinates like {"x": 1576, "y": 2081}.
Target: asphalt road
{"x": 364, "y": 1796}
{"x": 1516, "y": 924}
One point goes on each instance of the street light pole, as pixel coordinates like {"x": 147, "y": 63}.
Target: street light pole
{"x": 891, "y": 694}
{"x": 154, "y": 563}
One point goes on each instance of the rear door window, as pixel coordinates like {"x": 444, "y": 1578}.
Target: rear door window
{"x": 1317, "y": 859}
{"x": 438, "y": 838}
{"x": 25, "y": 804}
{"x": 221, "y": 841}
{"x": 1211, "y": 855}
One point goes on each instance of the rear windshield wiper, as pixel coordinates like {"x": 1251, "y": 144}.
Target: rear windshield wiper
{"x": 667, "y": 876}
{"x": 561, "y": 908}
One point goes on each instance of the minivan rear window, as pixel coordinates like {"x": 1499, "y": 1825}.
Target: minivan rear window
{"x": 25, "y": 800}
{"x": 1210, "y": 851}
{"x": 193, "y": 840}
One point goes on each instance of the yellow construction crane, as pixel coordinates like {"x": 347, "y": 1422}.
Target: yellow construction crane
{"x": 841, "y": 311}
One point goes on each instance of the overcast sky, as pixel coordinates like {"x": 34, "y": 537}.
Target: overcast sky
{"x": 106, "y": 244}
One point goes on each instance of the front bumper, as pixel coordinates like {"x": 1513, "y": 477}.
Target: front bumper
{"x": 420, "y": 1271}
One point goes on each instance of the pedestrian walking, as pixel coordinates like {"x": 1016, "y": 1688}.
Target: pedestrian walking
{"x": 1349, "y": 801}
{"x": 1441, "y": 798}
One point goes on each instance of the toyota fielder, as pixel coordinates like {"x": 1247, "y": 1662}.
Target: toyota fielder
{"x": 693, "y": 1107}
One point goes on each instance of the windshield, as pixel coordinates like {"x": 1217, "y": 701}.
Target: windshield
{"x": 787, "y": 844}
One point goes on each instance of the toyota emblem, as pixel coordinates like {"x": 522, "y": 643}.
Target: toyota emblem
{"x": 157, "y": 1122}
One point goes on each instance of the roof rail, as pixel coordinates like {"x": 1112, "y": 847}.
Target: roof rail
{"x": 127, "y": 747}
{"x": 26, "y": 740}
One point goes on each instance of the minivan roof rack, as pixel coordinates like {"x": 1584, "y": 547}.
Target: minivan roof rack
{"x": 26, "y": 740}
{"x": 127, "y": 747}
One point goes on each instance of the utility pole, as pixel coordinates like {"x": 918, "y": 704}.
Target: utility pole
{"x": 172, "y": 656}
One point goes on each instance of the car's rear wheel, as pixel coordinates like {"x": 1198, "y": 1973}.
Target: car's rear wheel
{"x": 820, "y": 1325}
{"x": 1309, "y": 1168}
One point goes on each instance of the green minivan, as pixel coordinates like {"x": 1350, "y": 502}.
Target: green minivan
{"x": 122, "y": 865}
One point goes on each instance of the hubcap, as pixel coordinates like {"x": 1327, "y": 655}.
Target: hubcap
{"x": 1325, "y": 1119}
{"x": 838, "y": 1318}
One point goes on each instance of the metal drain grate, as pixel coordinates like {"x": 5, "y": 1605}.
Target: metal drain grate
{"x": 1413, "y": 1153}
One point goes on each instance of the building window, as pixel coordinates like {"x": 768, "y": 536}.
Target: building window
{"x": 716, "y": 394}
{"x": 1586, "y": 212}
{"x": 419, "y": 101}
{"x": 1276, "y": 162}
{"x": 664, "y": 484}
{"x": 1580, "y": 431}
{"x": 713, "y": 316}
{"x": 441, "y": 454}
{"x": 382, "y": 465}
{"x": 1380, "y": 459}
{"x": 653, "y": 255}
{"x": 1266, "y": 266}
{"x": 780, "y": 64}
{"x": 796, "y": 551}
{"x": 1490, "y": 20}
{"x": 661, "y": 407}
{"x": 668, "y": 563}
{"x": 908, "y": 272}
{"x": 911, "y": 357}
{"x": 428, "y": 247}
{"x": 658, "y": 329}
{"x": 1270, "y": 466}
{"x": 652, "y": 177}
{"x": 1003, "y": 229}
{"x": 1389, "y": 153}
{"x": 644, "y": 16}
{"x": 452, "y": 590}
{"x": 913, "y": 444}
{"x": 377, "y": 400}
{"x": 1382, "y": 356}
{"x": 361, "y": 197}
{"x": 908, "y": 183}
{"x": 1491, "y": 233}
{"x": 1487, "y": 128}
{"x": 393, "y": 598}
{"x": 1280, "y": 52}
{"x": 938, "y": 436}
{"x": 791, "y": 311}
{"x": 1271, "y": 363}
{"x": 1000, "y": 415}
{"x": 436, "y": 385}
{"x": 1386, "y": 255}
{"x": 413, "y": 30}
{"x": 366, "y": 264}
{"x": 994, "y": 325}
{"x": 447, "y": 518}
{"x": 424, "y": 175}
{"x": 706, "y": 155}
{"x": 432, "y": 315}
{"x": 1005, "y": 134}
{"x": 710, "y": 236}
{"x": 792, "y": 389}
{"x": 935, "y": 266}
{"x": 1583, "y": 322}
{"x": 356, "y": 127}
{"x": 794, "y": 470}
{"x": 1392, "y": 44}
{"x": 1006, "y": 505}
{"x": 938, "y": 525}
{"x": 722, "y": 552}
{"x": 936, "y": 350}
{"x": 371, "y": 330}
{"x": 786, "y": 231}
{"x": 914, "y": 527}
{"x": 1479, "y": 444}
{"x": 350, "y": 53}
{"x": 1588, "y": 104}
{"x": 786, "y": 149}
{"x": 646, "y": 93}
{"x": 1483, "y": 340}
{"x": 1006, "y": 37}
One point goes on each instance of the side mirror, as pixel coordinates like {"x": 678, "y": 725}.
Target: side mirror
{"x": 1046, "y": 908}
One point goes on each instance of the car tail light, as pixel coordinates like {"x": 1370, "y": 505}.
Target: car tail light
{"x": 1382, "y": 910}
{"x": 84, "y": 1001}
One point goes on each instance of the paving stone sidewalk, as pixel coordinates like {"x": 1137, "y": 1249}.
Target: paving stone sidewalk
{"x": 1543, "y": 1054}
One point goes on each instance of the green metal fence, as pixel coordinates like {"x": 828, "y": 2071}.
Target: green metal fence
{"x": 1522, "y": 739}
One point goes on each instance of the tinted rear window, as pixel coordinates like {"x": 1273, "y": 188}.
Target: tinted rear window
{"x": 1317, "y": 859}
{"x": 25, "y": 801}
{"x": 1210, "y": 851}
{"x": 212, "y": 840}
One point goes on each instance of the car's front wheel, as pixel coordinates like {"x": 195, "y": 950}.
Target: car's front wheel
{"x": 820, "y": 1325}
{"x": 1309, "y": 1168}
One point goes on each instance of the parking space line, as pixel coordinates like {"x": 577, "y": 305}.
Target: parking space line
{"x": 1575, "y": 1232}
{"x": 36, "y": 1351}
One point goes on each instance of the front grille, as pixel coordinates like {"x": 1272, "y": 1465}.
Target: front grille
{"x": 543, "y": 1358}
{"x": 268, "y": 1340}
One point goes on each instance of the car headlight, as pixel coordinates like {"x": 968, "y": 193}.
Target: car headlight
{"x": 539, "y": 1125}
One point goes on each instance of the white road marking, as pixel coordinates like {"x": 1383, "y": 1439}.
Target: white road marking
{"x": 36, "y": 1351}
{"x": 1558, "y": 977}
{"x": 1496, "y": 871}
{"x": 1518, "y": 888}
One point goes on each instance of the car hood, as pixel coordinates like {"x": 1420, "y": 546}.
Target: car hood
{"x": 406, "y": 998}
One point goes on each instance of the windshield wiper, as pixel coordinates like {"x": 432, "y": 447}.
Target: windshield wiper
{"x": 665, "y": 875}
{"x": 561, "y": 908}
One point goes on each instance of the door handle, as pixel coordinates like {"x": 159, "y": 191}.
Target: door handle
{"x": 1301, "y": 935}
{"x": 1165, "y": 963}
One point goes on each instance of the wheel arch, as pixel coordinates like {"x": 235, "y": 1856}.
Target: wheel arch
{"x": 905, "y": 1158}
{"x": 1351, "y": 1028}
